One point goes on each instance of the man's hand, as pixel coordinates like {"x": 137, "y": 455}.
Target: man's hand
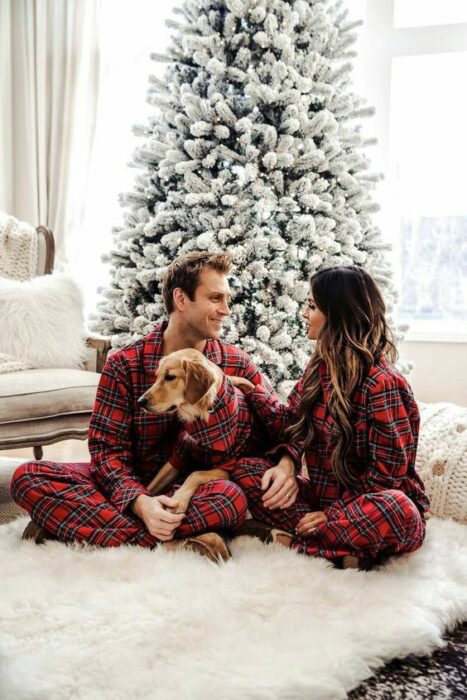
{"x": 280, "y": 484}
{"x": 155, "y": 512}
{"x": 310, "y": 521}
{"x": 241, "y": 383}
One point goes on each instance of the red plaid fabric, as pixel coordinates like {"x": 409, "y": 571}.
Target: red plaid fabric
{"x": 386, "y": 424}
{"x": 128, "y": 446}
{"x": 370, "y": 526}
{"x": 230, "y": 431}
{"x": 64, "y": 499}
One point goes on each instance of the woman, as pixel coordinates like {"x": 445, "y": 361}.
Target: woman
{"x": 355, "y": 418}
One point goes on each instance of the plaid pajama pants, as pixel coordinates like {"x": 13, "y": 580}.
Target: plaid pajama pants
{"x": 371, "y": 527}
{"x": 63, "y": 498}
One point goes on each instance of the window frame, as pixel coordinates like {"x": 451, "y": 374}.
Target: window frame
{"x": 380, "y": 43}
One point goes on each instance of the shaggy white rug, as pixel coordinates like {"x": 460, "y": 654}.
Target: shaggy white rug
{"x": 78, "y": 622}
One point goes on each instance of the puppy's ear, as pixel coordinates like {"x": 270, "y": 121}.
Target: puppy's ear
{"x": 198, "y": 379}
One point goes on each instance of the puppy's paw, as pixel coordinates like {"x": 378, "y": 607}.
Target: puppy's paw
{"x": 183, "y": 499}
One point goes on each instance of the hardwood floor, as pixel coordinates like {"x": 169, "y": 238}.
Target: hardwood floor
{"x": 66, "y": 451}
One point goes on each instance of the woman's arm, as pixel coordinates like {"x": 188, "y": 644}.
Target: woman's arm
{"x": 275, "y": 415}
{"x": 393, "y": 424}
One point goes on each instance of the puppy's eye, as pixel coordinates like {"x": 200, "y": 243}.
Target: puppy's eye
{"x": 169, "y": 377}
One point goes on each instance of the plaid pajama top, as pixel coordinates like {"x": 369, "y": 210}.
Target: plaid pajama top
{"x": 386, "y": 425}
{"x": 128, "y": 445}
{"x": 230, "y": 431}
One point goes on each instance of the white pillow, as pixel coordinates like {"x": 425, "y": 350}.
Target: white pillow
{"x": 41, "y": 321}
{"x": 442, "y": 458}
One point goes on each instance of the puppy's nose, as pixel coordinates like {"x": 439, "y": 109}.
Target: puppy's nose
{"x": 143, "y": 401}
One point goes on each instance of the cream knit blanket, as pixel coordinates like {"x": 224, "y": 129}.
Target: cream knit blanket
{"x": 442, "y": 458}
{"x": 19, "y": 250}
{"x": 8, "y": 364}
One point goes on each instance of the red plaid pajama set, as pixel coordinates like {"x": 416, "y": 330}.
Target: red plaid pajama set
{"x": 385, "y": 513}
{"x": 91, "y": 502}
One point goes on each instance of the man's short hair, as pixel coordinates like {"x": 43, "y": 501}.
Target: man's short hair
{"x": 184, "y": 273}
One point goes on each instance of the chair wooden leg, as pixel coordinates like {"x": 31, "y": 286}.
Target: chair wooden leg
{"x": 38, "y": 453}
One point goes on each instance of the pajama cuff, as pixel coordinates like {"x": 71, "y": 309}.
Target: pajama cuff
{"x": 293, "y": 452}
{"x": 177, "y": 461}
{"x": 126, "y": 492}
{"x": 260, "y": 398}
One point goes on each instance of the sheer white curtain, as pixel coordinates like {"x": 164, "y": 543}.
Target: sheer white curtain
{"x": 129, "y": 31}
{"x": 49, "y": 83}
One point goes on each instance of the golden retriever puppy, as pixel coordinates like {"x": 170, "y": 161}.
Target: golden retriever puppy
{"x": 187, "y": 383}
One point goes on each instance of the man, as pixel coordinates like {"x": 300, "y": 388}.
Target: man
{"x": 106, "y": 502}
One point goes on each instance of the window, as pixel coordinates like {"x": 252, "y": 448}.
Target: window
{"x": 428, "y": 153}
{"x": 415, "y": 62}
{"x": 129, "y": 33}
{"x": 421, "y": 13}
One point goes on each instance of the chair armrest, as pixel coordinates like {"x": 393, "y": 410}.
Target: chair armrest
{"x": 102, "y": 347}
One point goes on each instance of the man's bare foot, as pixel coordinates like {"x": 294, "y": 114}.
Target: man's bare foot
{"x": 208, "y": 544}
{"x": 36, "y": 533}
{"x": 282, "y": 538}
{"x": 171, "y": 545}
{"x": 264, "y": 532}
{"x": 350, "y": 562}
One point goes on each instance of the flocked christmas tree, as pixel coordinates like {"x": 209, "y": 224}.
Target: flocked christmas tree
{"x": 255, "y": 147}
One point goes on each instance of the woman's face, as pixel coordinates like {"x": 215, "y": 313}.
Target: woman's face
{"x": 313, "y": 317}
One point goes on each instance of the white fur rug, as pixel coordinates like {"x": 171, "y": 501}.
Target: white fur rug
{"x": 98, "y": 624}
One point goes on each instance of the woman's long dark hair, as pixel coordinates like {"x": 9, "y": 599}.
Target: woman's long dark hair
{"x": 353, "y": 338}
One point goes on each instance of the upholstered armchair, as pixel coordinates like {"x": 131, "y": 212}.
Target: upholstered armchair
{"x": 41, "y": 406}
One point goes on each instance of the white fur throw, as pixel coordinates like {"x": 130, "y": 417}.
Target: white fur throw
{"x": 19, "y": 249}
{"x": 41, "y": 321}
{"x": 127, "y": 623}
{"x": 442, "y": 458}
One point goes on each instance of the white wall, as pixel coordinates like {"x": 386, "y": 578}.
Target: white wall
{"x": 440, "y": 372}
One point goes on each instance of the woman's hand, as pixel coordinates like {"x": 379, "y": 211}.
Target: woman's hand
{"x": 241, "y": 383}
{"x": 280, "y": 484}
{"x": 309, "y": 522}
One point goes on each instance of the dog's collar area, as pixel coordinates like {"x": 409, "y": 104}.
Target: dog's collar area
{"x": 226, "y": 396}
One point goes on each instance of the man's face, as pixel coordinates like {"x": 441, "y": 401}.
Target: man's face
{"x": 207, "y": 312}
